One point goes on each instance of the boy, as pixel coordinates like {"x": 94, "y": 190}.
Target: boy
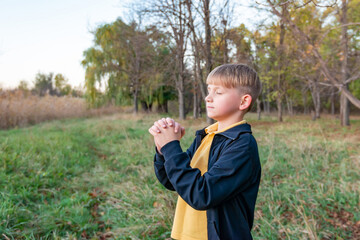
{"x": 218, "y": 177}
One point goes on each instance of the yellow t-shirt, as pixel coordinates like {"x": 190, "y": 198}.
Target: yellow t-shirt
{"x": 191, "y": 224}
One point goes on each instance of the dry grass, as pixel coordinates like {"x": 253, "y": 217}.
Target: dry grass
{"x": 19, "y": 108}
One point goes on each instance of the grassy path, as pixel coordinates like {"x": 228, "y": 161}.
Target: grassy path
{"x": 93, "y": 178}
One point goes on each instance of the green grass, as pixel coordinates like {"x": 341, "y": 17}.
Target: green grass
{"x": 93, "y": 178}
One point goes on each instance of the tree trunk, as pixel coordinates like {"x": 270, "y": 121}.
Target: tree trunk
{"x": 281, "y": 65}
{"x": 304, "y": 95}
{"x": 162, "y": 107}
{"x": 196, "y": 75}
{"x": 332, "y": 101}
{"x": 180, "y": 89}
{"x": 315, "y": 94}
{"x": 200, "y": 100}
{"x": 344, "y": 104}
{"x": 181, "y": 105}
{"x": 258, "y": 108}
{"x": 206, "y": 9}
{"x": 208, "y": 55}
{"x": 279, "y": 107}
{"x": 318, "y": 104}
{"x": 265, "y": 95}
{"x": 180, "y": 86}
{"x": 266, "y": 106}
{"x": 195, "y": 100}
{"x": 196, "y": 51}
{"x": 145, "y": 106}
{"x": 344, "y": 110}
{"x": 135, "y": 99}
{"x": 226, "y": 54}
{"x": 289, "y": 105}
{"x": 180, "y": 47}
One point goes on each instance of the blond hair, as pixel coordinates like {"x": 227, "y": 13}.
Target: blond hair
{"x": 238, "y": 76}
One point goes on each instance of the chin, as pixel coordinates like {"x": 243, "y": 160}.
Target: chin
{"x": 210, "y": 116}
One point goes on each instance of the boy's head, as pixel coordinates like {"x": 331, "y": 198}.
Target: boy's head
{"x": 239, "y": 76}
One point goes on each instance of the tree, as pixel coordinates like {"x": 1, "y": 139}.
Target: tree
{"x": 116, "y": 60}
{"x": 172, "y": 13}
{"x": 204, "y": 49}
{"x": 130, "y": 62}
{"x": 61, "y": 85}
{"x": 344, "y": 103}
{"x": 206, "y": 11}
{"x": 43, "y": 84}
{"x": 23, "y": 85}
{"x": 196, "y": 44}
{"x": 304, "y": 38}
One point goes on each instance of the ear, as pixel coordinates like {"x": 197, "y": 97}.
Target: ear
{"x": 245, "y": 102}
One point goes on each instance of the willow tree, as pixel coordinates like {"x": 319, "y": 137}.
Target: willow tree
{"x": 106, "y": 62}
{"x": 122, "y": 59}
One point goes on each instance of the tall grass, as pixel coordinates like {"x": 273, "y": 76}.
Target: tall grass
{"x": 20, "y": 108}
{"x": 93, "y": 178}
{"x": 310, "y": 186}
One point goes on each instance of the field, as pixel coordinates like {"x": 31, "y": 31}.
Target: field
{"x": 21, "y": 108}
{"x": 93, "y": 178}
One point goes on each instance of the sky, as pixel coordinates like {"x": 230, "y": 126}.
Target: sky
{"x": 51, "y": 36}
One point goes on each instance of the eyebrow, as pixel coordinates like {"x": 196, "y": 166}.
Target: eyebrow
{"x": 216, "y": 87}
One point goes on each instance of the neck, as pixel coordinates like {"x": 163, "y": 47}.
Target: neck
{"x": 222, "y": 124}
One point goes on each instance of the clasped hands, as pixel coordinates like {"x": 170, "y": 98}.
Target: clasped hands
{"x": 166, "y": 130}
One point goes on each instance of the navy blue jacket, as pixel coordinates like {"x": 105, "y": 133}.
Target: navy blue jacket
{"x": 227, "y": 191}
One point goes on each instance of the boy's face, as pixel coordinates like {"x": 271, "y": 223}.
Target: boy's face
{"x": 223, "y": 103}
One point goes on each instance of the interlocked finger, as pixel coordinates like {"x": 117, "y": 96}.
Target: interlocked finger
{"x": 170, "y": 122}
{"x": 152, "y": 132}
{"x": 182, "y": 131}
{"x": 158, "y": 124}
{"x": 156, "y": 129}
{"x": 177, "y": 127}
{"x": 162, "y": 123}
{"x": 165, "y": 124}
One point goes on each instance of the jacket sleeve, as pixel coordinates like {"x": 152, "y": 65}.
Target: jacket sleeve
{"x": 160, "y": 168}
{"x": 160, "y": 171}
{"x": 232, "y": 173}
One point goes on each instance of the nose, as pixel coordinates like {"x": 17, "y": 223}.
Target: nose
{"x": 208, "y": 98}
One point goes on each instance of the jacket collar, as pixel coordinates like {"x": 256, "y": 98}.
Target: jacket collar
{"x": 231, "y": 133}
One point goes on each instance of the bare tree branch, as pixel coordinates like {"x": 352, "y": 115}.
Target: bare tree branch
{"x": 282, "y": 3}
{"x": 333, "y": 28}
{"x": 330, "y": 85}
{"x": 303, "y": 38}
{"x": 353, "y": 78}
{"x": 304, "y": 4}
{"x": 330, "y": 5}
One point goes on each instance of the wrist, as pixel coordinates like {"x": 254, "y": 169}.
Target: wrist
{"x": 158, "y": 150}
{"x": 171, "y": 148}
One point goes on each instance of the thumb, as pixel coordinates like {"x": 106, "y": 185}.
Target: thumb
{"x": 182, "y": 131}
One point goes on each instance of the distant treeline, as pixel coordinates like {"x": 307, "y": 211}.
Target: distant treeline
{"x": 50, "y": 84}
{"x": 307, "y": 54}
